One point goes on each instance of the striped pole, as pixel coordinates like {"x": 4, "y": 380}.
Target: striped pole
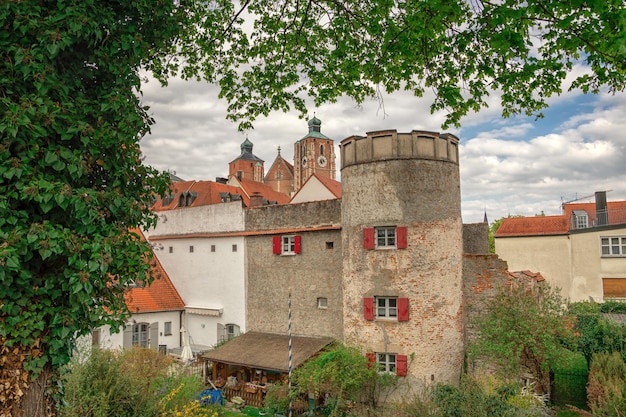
{"x": 290, "y": 356}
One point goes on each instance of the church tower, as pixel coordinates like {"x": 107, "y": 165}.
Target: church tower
{"x": 247, "y": 166}
{"x": 313, "y": 154}
{"x": 280, "y": 175}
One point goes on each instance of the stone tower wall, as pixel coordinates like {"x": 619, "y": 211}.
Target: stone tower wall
{"x": 405, "y": 180}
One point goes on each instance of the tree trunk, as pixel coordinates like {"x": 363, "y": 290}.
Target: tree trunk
{"x": 19, "y": 395}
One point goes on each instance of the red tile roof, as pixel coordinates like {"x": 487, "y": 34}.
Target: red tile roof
{"x": 205, "y": 192}
{"x": 533, "y": 226}
{"x": 160, "y": 295}
{"x": 252, "y": 187}
{"x": 590, "y": 208}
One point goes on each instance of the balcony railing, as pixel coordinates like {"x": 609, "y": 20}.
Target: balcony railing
{"x": 597, "y": 218}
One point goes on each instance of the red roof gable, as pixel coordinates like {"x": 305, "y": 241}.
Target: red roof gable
{"x": 533, "y": 226}
{"x": 160, "y": 295}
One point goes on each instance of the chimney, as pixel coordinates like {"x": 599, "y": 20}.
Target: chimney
{"x": 602, "y": 215}
{"x": 256, "y": 199}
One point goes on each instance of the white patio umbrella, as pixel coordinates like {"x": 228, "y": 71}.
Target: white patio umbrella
{"x": 186, "y": 355}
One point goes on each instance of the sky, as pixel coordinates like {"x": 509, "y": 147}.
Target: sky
{"x": 514, "y": 166}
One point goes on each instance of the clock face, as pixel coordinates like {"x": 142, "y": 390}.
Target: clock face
{"x": 321, "y": 161}
{"x": 304, "y": 161}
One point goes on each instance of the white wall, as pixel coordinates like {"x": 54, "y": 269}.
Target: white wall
{"x": 116, "y": 340}
{"x": 549, "y": 255}
{"x": 205, "y": 279}
{"x": 223, "y": 217}
{"x": 313, "y": 190}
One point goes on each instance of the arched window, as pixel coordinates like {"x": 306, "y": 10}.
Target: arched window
{"x": 227, "y": 331}
{"x": 321, "y": 149}
{"x": 232, "y": 330}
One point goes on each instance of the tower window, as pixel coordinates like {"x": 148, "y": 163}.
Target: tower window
{"x": 321, "y": 149}
{"x": 387, "y": 307}
{"x": 386, "y": 363}
{"x": 385, "y": 237}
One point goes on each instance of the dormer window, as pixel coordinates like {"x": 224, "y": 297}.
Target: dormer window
{"x": 168, "y": 199}
{"x": 581, "y": 219}
{"x": 226, "y": 197}
{"x": 186, "y": 198}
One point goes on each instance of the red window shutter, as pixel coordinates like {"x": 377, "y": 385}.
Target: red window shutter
{"x": 401, "y": 237}
{"x": 401, "y": 365}
{"x": 371, "y": 359}
{"x": 368, "y": 238}
{"x": 368, "y": 308}
{"x": 403, "y": 309}
{"x": 276, "y": 243}
{"x": 297, "y": 242}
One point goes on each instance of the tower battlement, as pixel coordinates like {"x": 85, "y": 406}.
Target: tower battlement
{"x": 389, "y": 144}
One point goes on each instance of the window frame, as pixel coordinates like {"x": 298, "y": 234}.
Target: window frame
{"x": 389, "y": 311}
{"x": 231, "y": 331}
{"x": 582, "y": 221}
{"x": 370, "y": 309}
{"x": 609, "y": 246}
{"x": 401, "y": 363}
{"x": 141, "y": 336}
{"x": 385, "y": 237}
{"x": 371, "y": 238}
{"x": 386, "y": 362}
{"x": 167, "y": 328}
{"x": 287, "y": 245}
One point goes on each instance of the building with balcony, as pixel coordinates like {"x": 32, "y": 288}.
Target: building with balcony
{"x": 582, "y": 251}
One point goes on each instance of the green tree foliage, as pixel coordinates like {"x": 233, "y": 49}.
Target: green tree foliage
{"x": 597, "y": 333}
{"x": 71, "y": 179}
{"x": 461, "y": 50}
{"x": 341, "y": 374}
{"x": 524, "y": 330}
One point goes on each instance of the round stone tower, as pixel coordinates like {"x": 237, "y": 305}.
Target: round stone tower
{"x": 402, "y": 253}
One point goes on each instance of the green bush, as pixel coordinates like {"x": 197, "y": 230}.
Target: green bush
{"x": 472, "y": 399}
{"x": 103, "y": 387}
{"x": 127, "y": 383}
{"x": 598, "y": 334}
{"x": 606, "y": 391}
{"x": 613, "y": 307}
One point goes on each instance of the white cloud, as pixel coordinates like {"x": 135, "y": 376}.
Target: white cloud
{"x": 512, "y": 166}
